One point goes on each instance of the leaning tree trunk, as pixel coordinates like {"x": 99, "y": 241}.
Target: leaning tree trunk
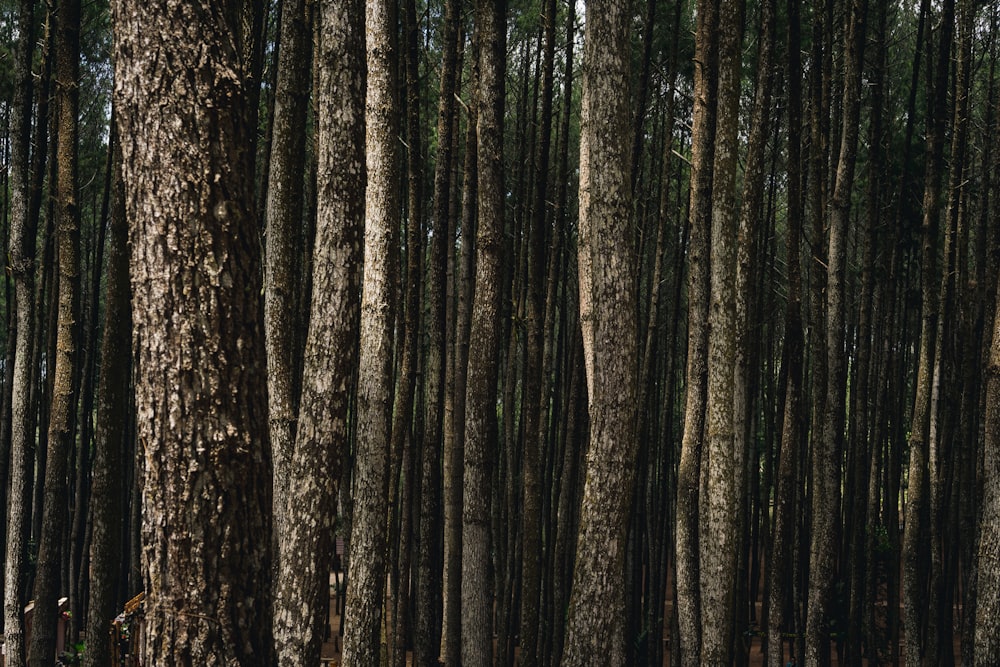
{"x": 690, "y": 464}
{"x": 302, "y": 596}
{"x": 199, "y": 349}
{"x": 368, "y": 548}
{"x": 41, "y": 651}
{"x": 596, "y": 623}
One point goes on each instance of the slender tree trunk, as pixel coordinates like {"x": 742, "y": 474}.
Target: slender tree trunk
{"x": 199, "y": 348}
{"x": 23, "y": 233}
{"x": 113, "y": 410}
{"x": 283, "y": 219}
{"x": 481, "y": 414}
{"x": 695, "y": 407}
{"x": 915, "y": 539}
{"x": 321, "y": 442}
{"x": 596, "y": 623}
{"x": 41, "y": 650}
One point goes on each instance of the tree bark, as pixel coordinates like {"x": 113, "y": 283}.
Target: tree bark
{"x": 23, "y": 233}
{"x": 596, "y": 623}
{"x": 199, "y": 348}
{"x": 41, "y": 650}
{"x": 481, "y": 393}
{"x": 321, "y": 442}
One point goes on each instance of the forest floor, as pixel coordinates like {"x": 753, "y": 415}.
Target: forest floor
{"x": 332, "y": 648}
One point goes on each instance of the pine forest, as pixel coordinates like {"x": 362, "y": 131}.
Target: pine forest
{"x": 500, "y": 332}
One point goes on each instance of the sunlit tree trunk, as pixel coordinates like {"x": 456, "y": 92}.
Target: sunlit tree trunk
{"x": 198, "y": 340}
{"x": 61, "y": 423}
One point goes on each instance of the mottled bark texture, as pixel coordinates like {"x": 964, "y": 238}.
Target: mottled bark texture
{"x": 369, "y": 546}
{"x": 48, "y": 580}
{"x": 689, "y": 467}
{"x": 113, "y": 404}
{"x": 23, "y": 230}
{"x": 987, "y": 637}
{"x": 321, "y": 443}
{"x": 198, "y": 340}
{"x": 596, "y": 623}
{"x": 283, "y": 215}
{"x": 483, "y": 370}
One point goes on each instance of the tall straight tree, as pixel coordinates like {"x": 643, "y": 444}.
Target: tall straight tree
{"x": 23, "y": 233}
{"x": 368, "y": 545}
{"x": 113, "y": 407}
{"x": 48, "y": 578}
{"x": 321, "y": 442}
{"x": 199, "y": 346}
{"x": 283, "y": 214}
{"x": 596, "y": 622}
{"x": 718, "y": 524}
{"x": 481, "y": 395}
{"x": 826, "y": 458}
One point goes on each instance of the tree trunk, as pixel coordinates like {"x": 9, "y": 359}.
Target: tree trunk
{"x": 481, "y": 393}
{"x": 61, "y": 434}
{"x": 321, "y": 443}
{"x": 596, "y": 623}
{"x": 283, "y": 219}
{"x": 113, "y": 410}
{"x": 199, "y": 348}
{"x": 23, "y": 233}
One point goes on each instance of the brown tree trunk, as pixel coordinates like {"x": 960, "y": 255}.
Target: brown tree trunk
{"x": 481, "y": 413}
{"x": 113, "y": 410}
{"x": 199, "y": 348}
{"x": 690, "y": 465}
{"x": 321, "y": 443}
{"x": 23, "y": 233}
{"x": 369, "y": 546}
{"x": 283, "y": 219}
{"x": 596, "y": 621}
{"x": 47, "y": 589}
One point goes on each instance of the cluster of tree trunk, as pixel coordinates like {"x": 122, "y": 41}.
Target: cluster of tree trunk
{"x": 666, "y": 332}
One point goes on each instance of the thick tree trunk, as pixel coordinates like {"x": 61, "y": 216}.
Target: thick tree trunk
{"x": 199, "y": 348}
{"x": 596, "y": 623}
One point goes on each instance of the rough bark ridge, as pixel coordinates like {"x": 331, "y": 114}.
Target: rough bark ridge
{"x": 366, "y": 585}
{"x": 481, "y": 394}
{"x": 23, "y": 232}
{"x": 597, "y": 604}
{"x": 199, "y": 348}
{"x": 321, "y": 442}
{"x": 987, "y": 638}
{"x": 41, "y": 651}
